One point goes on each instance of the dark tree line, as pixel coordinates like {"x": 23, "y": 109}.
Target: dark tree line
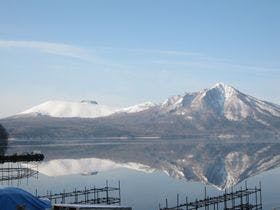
{"x": 25, "y": 157}
{"x": 3, "y": 133}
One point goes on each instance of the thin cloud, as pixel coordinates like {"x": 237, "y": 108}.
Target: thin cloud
{"x": 51, "y": 48}
{"x": 62, "y": 49}
{"x": 192, "y": 59}
{"x": 153, "y": 51}
{"x": 196, "y": 60}
{"x": 219, "y": 65}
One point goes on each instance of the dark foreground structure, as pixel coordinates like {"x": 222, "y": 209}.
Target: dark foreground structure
{"x": 104, "y": 195}
{"x": 243, "y": 199}
{"x": 15, "y": 172}
{"x": 88, "y": 207}
{"x": 3, "y": 133}
{"x": 26, "y": 157}
{"x": 12, "y": 198}
{"x": 17, "y": 167}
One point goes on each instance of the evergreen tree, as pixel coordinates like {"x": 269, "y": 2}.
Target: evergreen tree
{"x": 3, "y": 133}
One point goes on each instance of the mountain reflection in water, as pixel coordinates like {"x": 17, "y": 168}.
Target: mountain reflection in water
{"x": 218, "y": 163}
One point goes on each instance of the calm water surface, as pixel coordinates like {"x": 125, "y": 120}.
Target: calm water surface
{"x": 152, "y": 170}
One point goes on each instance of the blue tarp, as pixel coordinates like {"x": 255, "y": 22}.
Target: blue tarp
{"x": 11, "y": 197}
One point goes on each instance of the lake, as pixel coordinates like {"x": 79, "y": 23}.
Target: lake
{"x": 151, "y": 170}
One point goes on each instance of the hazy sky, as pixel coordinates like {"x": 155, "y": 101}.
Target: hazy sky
{"x": 124, "y": 52}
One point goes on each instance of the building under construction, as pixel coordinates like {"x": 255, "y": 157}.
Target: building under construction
{"x": 243, "y": 199}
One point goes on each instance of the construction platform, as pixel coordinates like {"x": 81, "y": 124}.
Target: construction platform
{"x": 88, "y": 207}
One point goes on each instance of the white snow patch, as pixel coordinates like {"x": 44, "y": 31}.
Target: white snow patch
{"x": 138, "y": 108}
{"x": 83, "y": 109}
{"x": 71, "y": 109}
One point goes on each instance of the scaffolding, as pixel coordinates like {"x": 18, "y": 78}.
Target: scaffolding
{"x": 17, "y": 171}
{"x": 17, "y": 167}
{"x": 105, "y": 195}
{"x": 243, "y": 199}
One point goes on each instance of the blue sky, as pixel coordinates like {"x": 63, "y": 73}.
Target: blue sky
{"x": 125, "y": 52}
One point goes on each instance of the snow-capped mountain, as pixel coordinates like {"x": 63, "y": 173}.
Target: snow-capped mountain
{"x": 82, "y": 109}
{"x": 221, "y": 101}
{"x": 219, "y": 110}
{"x": 139, "y": 107}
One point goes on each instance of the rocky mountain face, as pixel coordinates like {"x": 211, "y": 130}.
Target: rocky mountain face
{"x": 219, "y": 110}
{"x": 221, "y": 102}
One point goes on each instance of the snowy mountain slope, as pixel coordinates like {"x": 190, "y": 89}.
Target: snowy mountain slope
{"x": 138, "y": 108}
{"x": 219, "y": 110}
{"x": 83, "y": 109}
{"x": 221, "y": 101}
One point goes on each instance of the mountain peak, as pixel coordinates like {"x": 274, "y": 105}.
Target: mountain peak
{"x": 222, "y": 86}
{"x": 225, "y": 90}
{"x": 83, "y": 109}
{"x": 221, "y": 101}
{"x": 88, "y": 102}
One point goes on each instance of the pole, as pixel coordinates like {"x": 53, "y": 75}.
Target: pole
{"x": 205, "y": 197}
{"x": 94, "y": 195}
{"x": 256, "y": 197}
{"x": 119, "y": 183}
{"x": 260, "y": 195}
{"x": 232, "y": 198}
{"x": 241, "y": 199}
{"x": 85, "y": 194}
{"x": 107, "y": 193}
{"x": 177, "y": 201}
{"x": 225, "y": 199}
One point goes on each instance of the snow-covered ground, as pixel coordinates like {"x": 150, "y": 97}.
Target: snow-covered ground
{"x": 83, "y": 109}
{"x": 70, "y": 109}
